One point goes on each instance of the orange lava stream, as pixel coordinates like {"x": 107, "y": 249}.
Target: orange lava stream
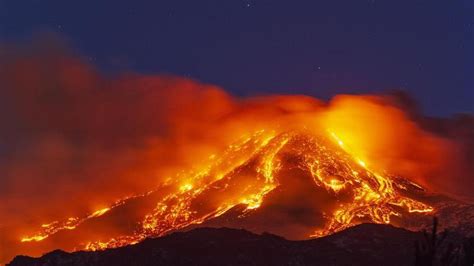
{"x": 330, "y": 163}
{"x": 72, "y": 223}
{"x": 373, "y": 193}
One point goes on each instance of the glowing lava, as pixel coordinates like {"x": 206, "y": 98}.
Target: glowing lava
{"x": 246, "y": 172}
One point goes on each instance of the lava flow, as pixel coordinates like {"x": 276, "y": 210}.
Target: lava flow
{"x": 248, "y": 171}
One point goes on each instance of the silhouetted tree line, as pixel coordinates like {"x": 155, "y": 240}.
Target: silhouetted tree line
{"x": 433, "y": 251}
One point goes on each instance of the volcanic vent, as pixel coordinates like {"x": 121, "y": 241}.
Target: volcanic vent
{"x": 297, "y": 184}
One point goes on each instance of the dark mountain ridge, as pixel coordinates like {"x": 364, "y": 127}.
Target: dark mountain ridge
{"x": 365, "y": 244}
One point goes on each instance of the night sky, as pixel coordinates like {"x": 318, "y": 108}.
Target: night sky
{"x": 319, "y": 48}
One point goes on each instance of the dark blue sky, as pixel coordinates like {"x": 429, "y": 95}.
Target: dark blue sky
{"x": 319, "y": 48}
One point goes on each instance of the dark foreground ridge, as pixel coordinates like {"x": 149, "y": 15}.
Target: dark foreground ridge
{"x": 366, "y": 244}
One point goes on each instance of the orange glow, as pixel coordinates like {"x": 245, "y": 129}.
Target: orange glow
{"x": 69, "y": 224}
{"x": 119, "y": 159}
{"x": 99, "y": 212}
{"x": 331, "y": 167}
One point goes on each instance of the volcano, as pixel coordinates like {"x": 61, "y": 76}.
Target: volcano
{"x": 295, "y": 184}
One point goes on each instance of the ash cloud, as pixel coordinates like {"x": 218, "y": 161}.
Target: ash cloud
{"x": 455, "y": 174}
{"x": 71, "y": 136}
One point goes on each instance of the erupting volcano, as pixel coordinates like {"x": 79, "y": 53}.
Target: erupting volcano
{"x": 134, "y": 157}
{"x": 346, "y": 192}
{"x": 236, "y": 133}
